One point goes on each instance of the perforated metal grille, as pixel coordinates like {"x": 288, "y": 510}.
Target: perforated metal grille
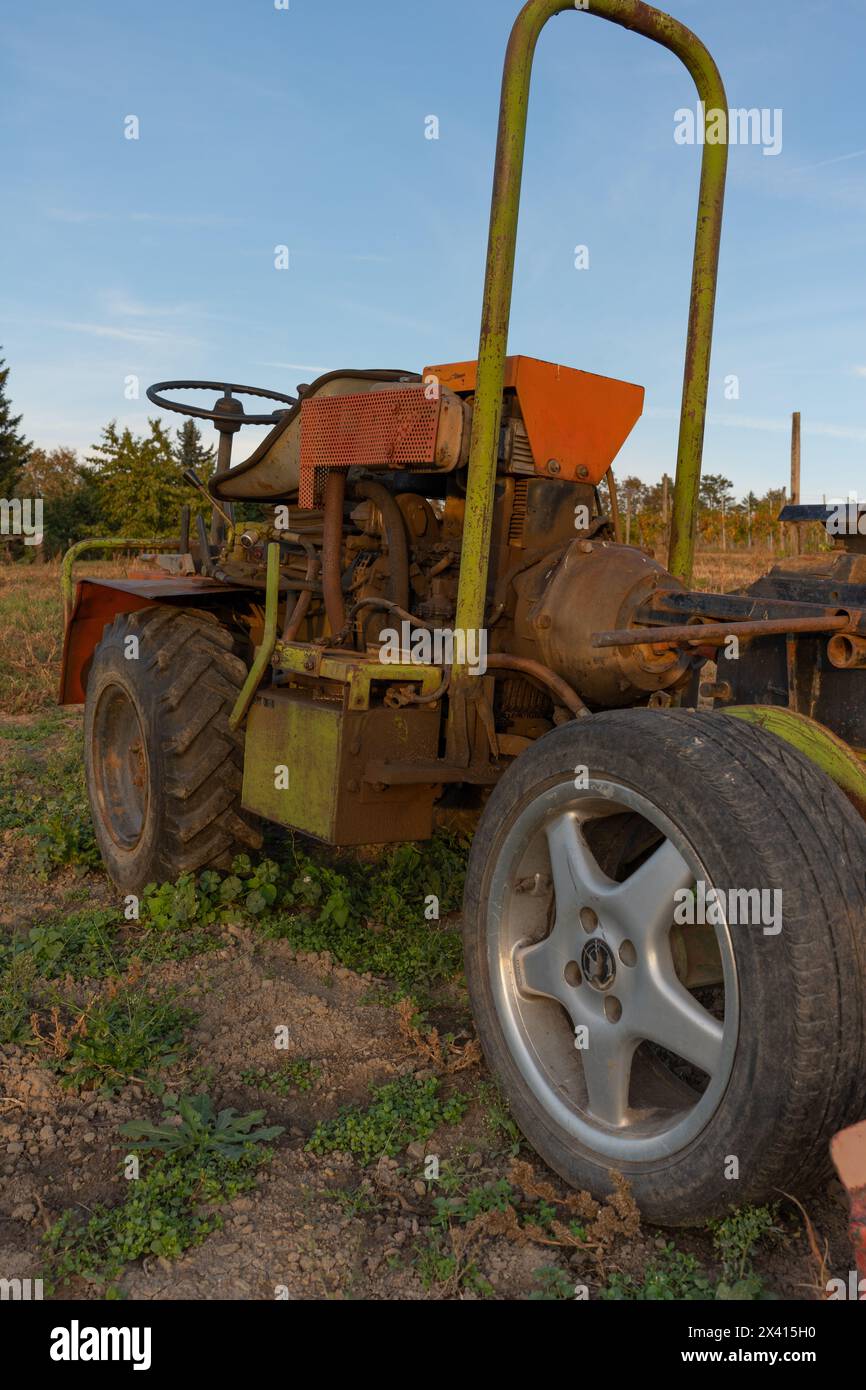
{"x": 373, "y": 429}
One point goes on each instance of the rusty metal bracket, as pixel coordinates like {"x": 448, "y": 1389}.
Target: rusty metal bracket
{"x": 354, "y": 671}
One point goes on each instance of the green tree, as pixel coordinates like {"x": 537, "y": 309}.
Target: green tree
{"x": 49, "y": 473}
{"x": 14, "y": 448}
{"x": 72, "y": 515}
{"x": 139, "y": 480}
{"x": 70, "y": 495}
{"x": 191, "y": 452}
{"x": 716, "y": 492}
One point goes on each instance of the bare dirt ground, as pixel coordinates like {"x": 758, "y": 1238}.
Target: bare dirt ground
{"x": 317, "y": 1223}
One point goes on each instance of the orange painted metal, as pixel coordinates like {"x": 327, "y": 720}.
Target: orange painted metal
{"x": 98, "y": 601}
{"x": 374, "y": 429}
{"x": 576, "y": 420}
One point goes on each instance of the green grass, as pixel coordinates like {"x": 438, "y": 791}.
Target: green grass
{"x": 368, "y": 917}
{"x": 676, "y": 1276}
{"x": 170, "y": 1208}
{"x": 128, "y": 1036}
{"x": 43, "y": 795}
{"x": 371, "y": 917}
{"x": 673, "y": 1276}
{"x": 401, "y": 1113}
{"x": 18, "y": 999}
{"x": 83, "y": 945}
{"x": 297, "y": 1074}
{"x": 436, "y": 1263}
{"x": 554, "y": 1284}
{"x": 35, "y": 731}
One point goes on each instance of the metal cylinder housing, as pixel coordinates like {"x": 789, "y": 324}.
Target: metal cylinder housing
{"x": 595, "y": 586}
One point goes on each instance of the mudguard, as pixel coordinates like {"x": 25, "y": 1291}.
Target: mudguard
{"x": 97, "y": 601}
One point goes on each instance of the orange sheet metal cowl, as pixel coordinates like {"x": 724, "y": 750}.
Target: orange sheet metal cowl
{"x": 576, "y": 421}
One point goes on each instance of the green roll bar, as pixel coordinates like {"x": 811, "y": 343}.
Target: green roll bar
{"x": 662, "y": 29}
{"x": 75, "y": 552}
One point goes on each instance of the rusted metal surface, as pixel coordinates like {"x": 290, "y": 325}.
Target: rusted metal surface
{"x": 272, "y": 471}
{"x": 356, "y": 672}
{"x": 614, "y": 507}
{"x": 332, "y": 549}
{"x": 613, "y": 583}
{"x": 405, "y": 428}
{"x": 558, "y": 688}
{"x": 75, "y": 552}
{"x": 716, "y": 633}
{"x": 326, "y": 744}
{"x": 576, "y": 421}
{"x": 662, "y": 29}
{"x": 848, "y": 1150}
{"x": 394, "y": 773}
{"x": 97, "y": 601}
{"x": 848, "y": 652}
{"x": 295, "y": 615}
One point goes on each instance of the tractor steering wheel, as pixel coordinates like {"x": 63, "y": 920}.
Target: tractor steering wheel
{"x": 227, "y": 413}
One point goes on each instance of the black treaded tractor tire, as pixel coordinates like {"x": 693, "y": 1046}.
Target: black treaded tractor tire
{"x": 789, "y": 1050}
{"x": 164, "y": 770}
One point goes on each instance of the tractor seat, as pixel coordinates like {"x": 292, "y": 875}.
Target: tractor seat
{"x": 272, "y": 473}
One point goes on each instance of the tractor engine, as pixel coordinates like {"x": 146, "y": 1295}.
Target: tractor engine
{"x": 374, "y": 469}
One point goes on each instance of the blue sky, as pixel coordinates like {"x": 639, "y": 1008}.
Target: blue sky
{"x": 305, "y": 127}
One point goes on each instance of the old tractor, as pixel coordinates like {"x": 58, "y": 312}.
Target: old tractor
{"x": 431, "y": 610}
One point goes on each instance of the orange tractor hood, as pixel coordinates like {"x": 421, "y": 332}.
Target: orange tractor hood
{"x": 575, "y": 419}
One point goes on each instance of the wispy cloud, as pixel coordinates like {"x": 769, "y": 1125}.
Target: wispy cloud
{"x": 165, "y": 219}
{"x": 76, "y": 215}
{"x": 126, "y": 335}
{"x": 768, "y": 425}
{"x": 376, "y": 314}
{"x": 126, "y": 307}
{"x": 184, "y": 219}
{"x": 293, "y": 366}
{"x": 825, "y": 163}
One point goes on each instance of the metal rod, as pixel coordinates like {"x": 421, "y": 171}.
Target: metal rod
{"x": 332, "y": 548}
{"x": 795, "y": 478}
{"x": 269, "y": 639}
{"x": 67, "y": 584}
{"x": 561, "y": 691}
{"x": 614, "y": 507}
{"x": 717, "y": 632}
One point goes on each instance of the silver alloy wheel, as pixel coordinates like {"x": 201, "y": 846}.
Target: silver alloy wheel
{"x": 615, "y": 1048}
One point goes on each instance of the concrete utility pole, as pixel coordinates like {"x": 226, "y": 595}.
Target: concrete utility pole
{"x": 795, "y": 478}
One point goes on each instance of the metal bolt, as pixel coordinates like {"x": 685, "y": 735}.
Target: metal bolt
{"x": 554, "y": 466}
